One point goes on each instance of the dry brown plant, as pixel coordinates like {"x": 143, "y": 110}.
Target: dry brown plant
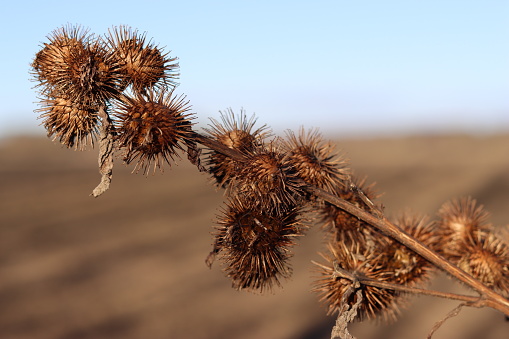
{"x": 120, "y": 89}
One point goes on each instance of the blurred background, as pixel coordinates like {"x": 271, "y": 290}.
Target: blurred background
{"x": 347, "y": 67}
{"x": 414, "y": 94}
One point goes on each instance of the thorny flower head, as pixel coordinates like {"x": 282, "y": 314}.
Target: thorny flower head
{"x": 314, "y": 161}
{"x": 486, "y": 257}
{"x": 459, "y": 220}
{"x": 266, "y": 176}
{"x": 236, "y": 132}
{"x": 472, "y": 243}
{"x": 77, "y": 66}
{"x": 142, "y": 64}
{"x": 74, "y": 124}
{"x": 358, "y": 264}
{"x": 152, "y": 127}
{"x": 255, "y": 243}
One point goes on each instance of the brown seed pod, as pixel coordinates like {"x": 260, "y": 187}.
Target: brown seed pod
{"x": 404, "y": 266}
{"x": 52, "y": 61}
{"x": 236, "y": 132}
{"x": 486, "y": 257}
{"x": 76, "y": 65}
{"x": 142, "y": 63}
{"x": 74, "y": 124}
{"x": 266, "y": 176}
{"x": 359, "y": 264}
{"x": 470, "y": 242}
{"x": 255, "y": 243}
{"x": 314, "y": 161}
{"x": 152, "y": 127}
{"x": 459, "y": 219}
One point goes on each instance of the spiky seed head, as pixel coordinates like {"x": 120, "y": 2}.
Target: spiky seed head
{"x": 78, "y": 66}
{"x": 142, "y": 63}
{"x": 73, "y": 124}
{"x": 315, "y": 161}
{"x": 255, "y": 243}
{"x": 486, "y": 257}
{"x": 52, "y": 61}
{"x": 153, "y": 127}
{"x": 361, "y": 264}
{"x": 236, "y": 132}
{"x": 470, "y": 242}
{"x": 404, "y": 266}
{"x": 267, "y": 176}
{"x": 459, "y": 219}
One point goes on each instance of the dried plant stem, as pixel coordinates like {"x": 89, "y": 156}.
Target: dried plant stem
{"x": 469, "y": 299}
{"x": 451, "y": 314}
{"x": 487, "y": 298}
{"x": 105, "y": 153}
{"x": 219, "y": 147}
{"x": 340, "y": 272}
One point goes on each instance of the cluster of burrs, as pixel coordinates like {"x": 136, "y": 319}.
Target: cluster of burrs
{"x": 120, "y": 89}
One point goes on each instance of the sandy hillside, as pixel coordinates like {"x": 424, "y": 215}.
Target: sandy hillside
{"x": 130, "y": 264}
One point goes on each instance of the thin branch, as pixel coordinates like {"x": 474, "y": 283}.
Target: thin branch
{"x": 449, "y": 315}
{"x": 219, "y": 147}
{"x": 342, "y": 273}
{"x": 470, "y": 299}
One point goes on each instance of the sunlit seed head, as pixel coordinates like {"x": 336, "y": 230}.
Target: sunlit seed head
{"x": 255, "y": 243}
{"x": 315, "y": 161}
{"x": 459, "y": 220}
{"x": 143, "y": 64}
{"x": 486, "y": 257}
{"x": 76, "y": 65}
{"x": 153, "y": 127}
{"x": 52, "y": 61}
{"x": 73, "y": 124}
{"x": 236, "y": 132}
{"x": 266, "y": 175}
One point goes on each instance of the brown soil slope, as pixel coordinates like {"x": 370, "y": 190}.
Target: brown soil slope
{"x": 130, "y": 264}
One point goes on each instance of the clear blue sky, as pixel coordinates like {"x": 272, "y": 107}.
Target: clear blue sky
{"x": 344, "y": 66}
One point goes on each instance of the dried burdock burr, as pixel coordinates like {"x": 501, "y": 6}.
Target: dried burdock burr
{"x": 73, "y": 124}
{"x": 404, "y": 266}
{"x": 314, "y": 161}
{"x": 142, "y": 64}
{"x": 153, "y": 127}
{"x": 78, "y": 66}
{"x": 255, "y": 243}
{"x": 52, "y": 61}
{"x": 459, "y": 220}
{"x": 266, "y": 176}
{"x": 486, "y": 257}
{"x": 345, "y": 268}
{"x": 236, "y": 132}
